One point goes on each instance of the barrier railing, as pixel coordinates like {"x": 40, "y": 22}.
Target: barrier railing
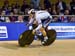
{"x": 56, "y": 18}
{"x": 28, "y": 15}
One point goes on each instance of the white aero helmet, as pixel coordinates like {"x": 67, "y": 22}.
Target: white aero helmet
{"x": 30, "y": 11}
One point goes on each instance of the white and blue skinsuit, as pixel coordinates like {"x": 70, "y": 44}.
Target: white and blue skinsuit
{"x": 39, "y": 17}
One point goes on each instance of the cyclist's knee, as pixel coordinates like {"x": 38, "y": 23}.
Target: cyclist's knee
{"x": 42, "y": 29}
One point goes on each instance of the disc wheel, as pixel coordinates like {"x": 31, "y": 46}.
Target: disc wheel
{"x": 51, "y": 37}
{"x": 26, "y": 38}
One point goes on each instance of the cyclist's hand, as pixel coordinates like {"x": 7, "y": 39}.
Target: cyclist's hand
{"x": 34, "y": 31}
{"x": 27, "y": 24}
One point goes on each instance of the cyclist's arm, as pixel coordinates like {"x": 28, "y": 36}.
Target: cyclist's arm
{"x": 31, "y": 19}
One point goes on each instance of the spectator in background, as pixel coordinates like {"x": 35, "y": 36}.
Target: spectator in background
{"x": 61, "y": 5}
{"x": 47, "y": 4}
{"x": 72, "y": 19}
{"x": 35, "y": 4}
{"x": 49, "y": 10}
{"x": 6, "y": 6}
{"x": 17, "y": 6}
{"x": 55, "y": 19}
{"x": 53, "y": 10}
{"x": 7, "y": 19}
{"x": 6, "y": 2}
{"x": 13, "y": 6}
{"x": 72, "y": 5}
{"x": 15, "y": 11}
{"x": 65, "y": 17}
{"x": 20, "y": 19}
{"x": 3, "y": 18}
{"x": 67, "y": 12}
{"x": 12, "y": 17}
{"x": 24, "y": 6}
{"x": 9, "y": 10}
{"x": 26, "y": 11}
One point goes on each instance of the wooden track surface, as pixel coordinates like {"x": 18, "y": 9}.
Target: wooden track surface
{"x": 58, "y": 48}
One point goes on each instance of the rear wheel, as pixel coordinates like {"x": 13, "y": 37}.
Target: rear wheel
{"x": 51, "y": 37}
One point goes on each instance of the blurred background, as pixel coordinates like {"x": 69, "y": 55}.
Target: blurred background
{"x": 61, "y": 10}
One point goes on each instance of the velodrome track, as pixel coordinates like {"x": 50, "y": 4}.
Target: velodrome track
{"x": 58, "y": 48}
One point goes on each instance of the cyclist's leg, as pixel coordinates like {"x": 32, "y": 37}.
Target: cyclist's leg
{"x": 44, "y": 33}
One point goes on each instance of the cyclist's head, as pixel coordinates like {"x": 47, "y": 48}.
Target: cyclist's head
{"x": 32, "y": 11}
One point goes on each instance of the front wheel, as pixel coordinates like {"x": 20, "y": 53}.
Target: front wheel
{"x": 26, "y": 38}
